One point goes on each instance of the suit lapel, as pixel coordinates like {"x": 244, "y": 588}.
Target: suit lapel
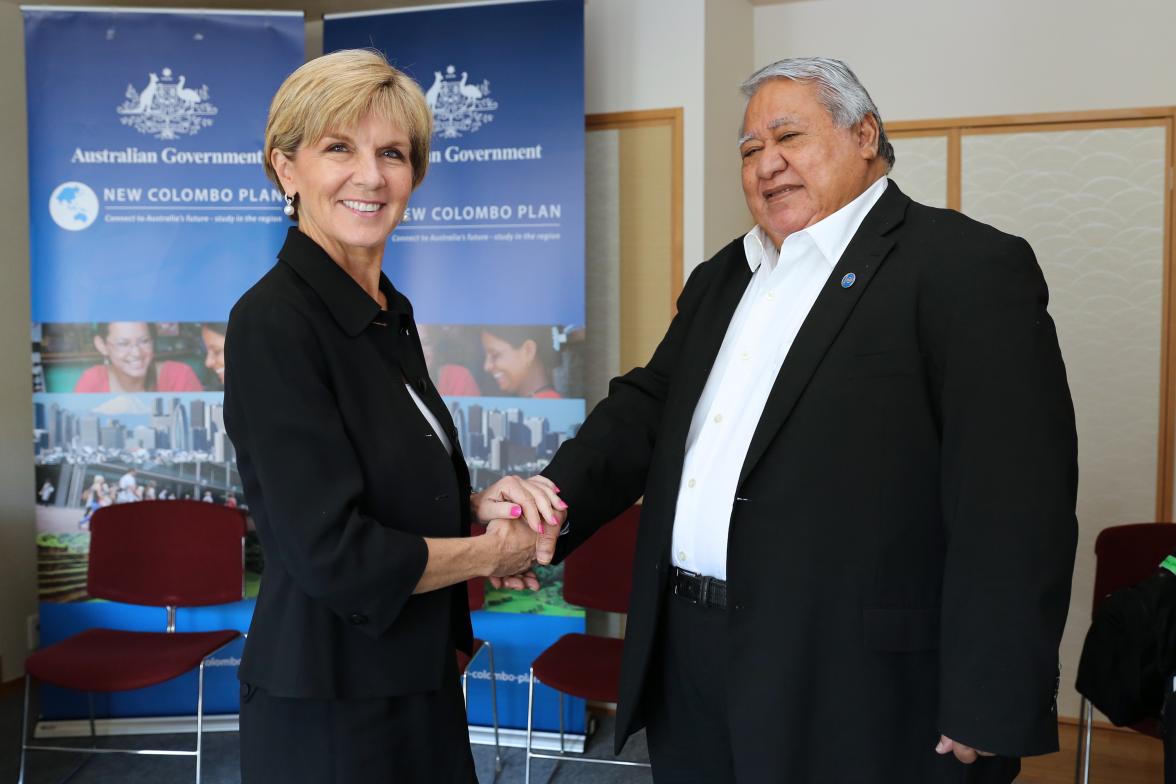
{"x": 862, "y": 257}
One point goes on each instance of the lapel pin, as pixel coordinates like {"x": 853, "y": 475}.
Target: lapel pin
{"x": 848, "y": 280}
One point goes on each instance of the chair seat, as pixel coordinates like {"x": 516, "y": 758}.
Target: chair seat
{"x": 582, "y": 665}
{"x": 116, "y": 660}
{"x": 463, "y": 661}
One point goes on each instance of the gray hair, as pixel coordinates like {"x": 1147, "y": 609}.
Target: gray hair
{"x": 842, "y": 94}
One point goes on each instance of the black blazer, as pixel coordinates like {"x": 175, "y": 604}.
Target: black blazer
{"x": 903, "y": 536}
{"x": 344, "y": 477}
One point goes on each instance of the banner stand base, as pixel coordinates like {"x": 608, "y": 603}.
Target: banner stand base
{"x": 141, "y": 725}
{"x": 173, "y": 725}
{"x": 517, "y": 739}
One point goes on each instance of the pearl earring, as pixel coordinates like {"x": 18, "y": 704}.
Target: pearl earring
{"x": 289, "y": 208}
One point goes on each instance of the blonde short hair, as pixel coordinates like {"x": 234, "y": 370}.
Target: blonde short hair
{"x": 337, "y": 91}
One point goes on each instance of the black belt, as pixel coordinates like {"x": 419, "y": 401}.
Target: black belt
{"x": 699, "y": 589}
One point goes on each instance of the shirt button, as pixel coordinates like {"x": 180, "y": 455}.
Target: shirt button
{"x": 690, "y": 483}
{"x": 745, "y": 356}
{"x": 682, "y": 556}
{"x": 718, "y": 418}
{"x": 771, "y": 294}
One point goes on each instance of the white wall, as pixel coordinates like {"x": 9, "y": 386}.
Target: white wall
{"x": 18, "y": 557}
{"x": 954, "y": 58}
{"x": 648, "y": 54}
{"x": 729, "y": 26}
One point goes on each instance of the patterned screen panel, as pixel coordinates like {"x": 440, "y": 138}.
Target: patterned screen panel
{"x": 602, "y": 292}
{"x": 1091, "y": 203}
{"x": 920, "y": 168}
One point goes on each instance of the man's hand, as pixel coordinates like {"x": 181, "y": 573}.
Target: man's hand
{"x": 965, "y": 754}
{"x": 528, "y": 580}
{"x": 545, "y": 542}
{"x": 545, "y": 546}
{"x": 512, "y": 546}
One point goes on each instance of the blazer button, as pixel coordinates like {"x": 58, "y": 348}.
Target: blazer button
{"x": 357, "y": 619}
{"x": 441, "y": 497}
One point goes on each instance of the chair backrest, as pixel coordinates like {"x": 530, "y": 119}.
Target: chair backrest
{"x": 1128, "y": 554}
{"x": 476, "y": 589}
{"x": 599, "y": 573}
{"x": 167, "y": 553}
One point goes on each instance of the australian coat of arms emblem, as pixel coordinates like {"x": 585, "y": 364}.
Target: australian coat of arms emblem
{"x": 459, "y": 106}
{"x": 166, "y": 108}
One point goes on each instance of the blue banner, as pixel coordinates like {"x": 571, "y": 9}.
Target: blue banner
{"x": 491, "y": 253}
{"x": 145, "y": 134}
{"x": 496, "y": 232}
{"x": 150, "y": 215}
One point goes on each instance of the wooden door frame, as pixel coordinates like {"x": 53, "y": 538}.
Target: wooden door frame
{"x": 657, "y": 117}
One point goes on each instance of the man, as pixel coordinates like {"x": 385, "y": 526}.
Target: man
{"x": 857, "y": 453}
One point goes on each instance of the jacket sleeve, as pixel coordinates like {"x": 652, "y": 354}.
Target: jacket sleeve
{"x": 1009, "y": 484}
{"x": 602, "y": 471}
{"x": 295, "y": 455}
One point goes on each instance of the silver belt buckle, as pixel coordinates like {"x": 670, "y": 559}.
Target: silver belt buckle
{"x": 682, "y": 573}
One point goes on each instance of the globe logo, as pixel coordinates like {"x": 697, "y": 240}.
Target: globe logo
{"x": 73, "y": 206}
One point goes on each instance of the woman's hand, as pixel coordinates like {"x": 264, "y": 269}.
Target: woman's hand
{"x": 535, "y": 500}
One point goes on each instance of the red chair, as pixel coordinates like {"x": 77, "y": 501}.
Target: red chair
{"x": 161, "y": 554}
{"x": 477, "y": 596}
{"x": 1124, "y": 555}
{"x": 599, "y": 576}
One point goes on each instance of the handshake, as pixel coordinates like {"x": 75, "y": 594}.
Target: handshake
{"x": 523, "y": 518}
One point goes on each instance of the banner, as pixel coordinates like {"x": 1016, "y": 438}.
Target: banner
{"x": 150, "y": 216}
{"x": 491, "y": 253}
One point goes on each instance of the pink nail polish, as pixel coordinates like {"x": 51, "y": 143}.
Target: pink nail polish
{"x": 515, "y": 511}
{"x": 560, "y": 505}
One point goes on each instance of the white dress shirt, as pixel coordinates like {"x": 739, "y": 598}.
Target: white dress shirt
{"x": 784, "y": 285}
{"x": 432, "y": 420}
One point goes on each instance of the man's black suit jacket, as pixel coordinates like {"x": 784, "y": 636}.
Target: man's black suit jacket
{"x": 344, "y": 478}
{"x": 903, "y": 533}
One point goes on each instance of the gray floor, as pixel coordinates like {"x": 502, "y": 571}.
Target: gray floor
{"x": 221, "y": 760}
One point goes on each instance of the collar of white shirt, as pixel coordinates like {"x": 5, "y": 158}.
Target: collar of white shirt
{"x": 831, "y": 235}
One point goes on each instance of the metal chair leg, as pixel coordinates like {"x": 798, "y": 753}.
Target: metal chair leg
{"x": 465, "y": 699}
{"x": 561, "y": 727}
{"x": 93, "y": 729}
{"x": 530, "y": 711}
{"x": 199, "y": 720}
{"x": 1089, "y": 716}
{"x": 24, "y": 730}
{"x": 494, "y": 707}
{"x": 1081, "y": 742}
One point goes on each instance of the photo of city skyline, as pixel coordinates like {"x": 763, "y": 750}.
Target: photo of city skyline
{"x": 511, "y": 435}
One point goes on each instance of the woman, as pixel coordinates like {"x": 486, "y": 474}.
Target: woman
{"x": 128, "y": 356}
{"x": 212, "y": 335}
{"x": 517, "y": 359}
{"x": 450, "y": 379}
{"x": 350, "y": 461}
